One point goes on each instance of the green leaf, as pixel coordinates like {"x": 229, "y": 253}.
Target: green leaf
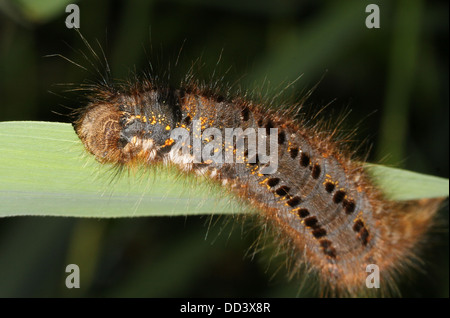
{"x": 399, "y": 184}
{"x": 42, "y": 10}
{"x": 45, "y": 170}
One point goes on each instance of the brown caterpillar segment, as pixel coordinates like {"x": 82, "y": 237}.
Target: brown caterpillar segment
{"x": 319, "y": 199}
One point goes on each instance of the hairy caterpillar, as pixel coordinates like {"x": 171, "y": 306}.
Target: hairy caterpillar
{"x": 319, "y": 200}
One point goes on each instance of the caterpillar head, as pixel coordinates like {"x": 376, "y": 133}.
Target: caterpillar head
{"x": 132, "y": 126}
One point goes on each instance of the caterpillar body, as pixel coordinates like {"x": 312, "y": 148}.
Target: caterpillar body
{"x": 319, "y": 200}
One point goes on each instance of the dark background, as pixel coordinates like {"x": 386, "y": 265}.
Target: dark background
{"x": 393, "y": 79}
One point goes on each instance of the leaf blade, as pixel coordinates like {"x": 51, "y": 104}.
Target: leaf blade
{"x": 44, "y": 170}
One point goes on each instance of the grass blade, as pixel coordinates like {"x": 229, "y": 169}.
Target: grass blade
{"x": 44, "y": 170}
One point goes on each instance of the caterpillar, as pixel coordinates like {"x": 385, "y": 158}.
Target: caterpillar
{"x": 318, "y": 200}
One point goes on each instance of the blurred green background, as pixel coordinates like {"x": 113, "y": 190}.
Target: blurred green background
{"x": 393, "y": 79}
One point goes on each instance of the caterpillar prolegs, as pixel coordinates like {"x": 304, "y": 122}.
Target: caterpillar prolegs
{"x": 318, "y": 197}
